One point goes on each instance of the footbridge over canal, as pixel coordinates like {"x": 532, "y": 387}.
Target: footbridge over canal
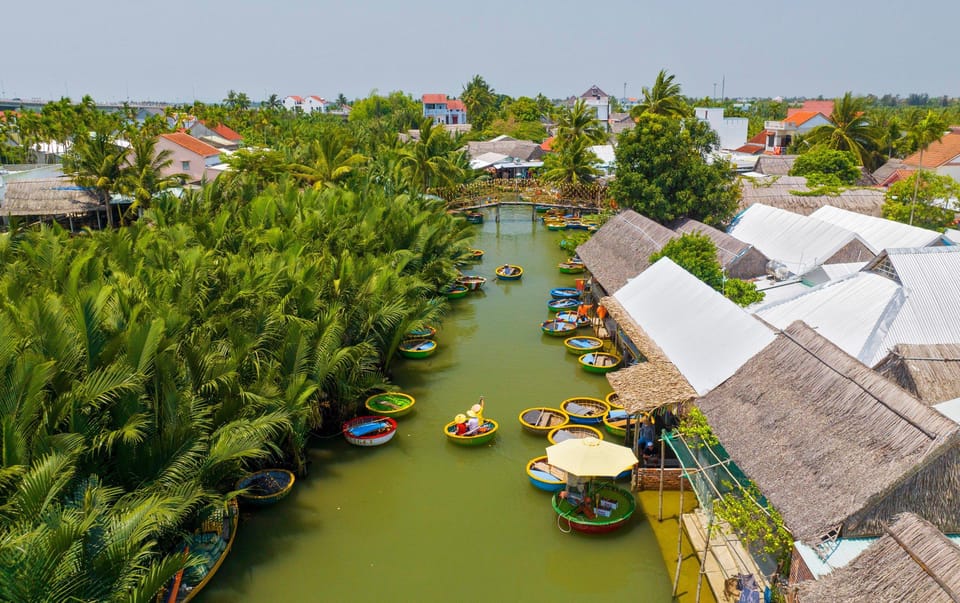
{"x": 483, "y": 194}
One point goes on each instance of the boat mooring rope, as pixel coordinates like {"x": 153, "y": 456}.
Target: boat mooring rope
{"x": 560, "y": 527}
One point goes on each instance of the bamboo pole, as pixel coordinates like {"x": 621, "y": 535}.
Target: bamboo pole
{"x": 706, "y": 551}
{"x": 676, "y": 574}
{"x": 660, "y": 506}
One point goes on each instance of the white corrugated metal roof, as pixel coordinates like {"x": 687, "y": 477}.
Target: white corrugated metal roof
{"x": 952, "y": 235}
{"x": 705, "y": 335}
{"x": 931, "y": 281}
{"x": 831, "y": 272}
{"x": 879, "y": 233}
{"x": 850, "y": 312}
{"x": 847, "y": 549}
{"x": 487, "y": 159}
{"x": 800, "y": 242}
{"x": 950, "y": 409}
{"x": 604, "y": 153}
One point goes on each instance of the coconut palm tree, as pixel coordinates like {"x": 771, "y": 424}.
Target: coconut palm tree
{"x": 143, "y": 178}
{"x": 428, "y": 161}
{"x": 663, "y": 98}
{"x": 97, "y": 162}
{"x": 922, "y": 134}
{"x": 849, "y": 130}
{"x": 579, "y": 121}
{"x": 573, "y": 163}
{"x": 330, "y": 159}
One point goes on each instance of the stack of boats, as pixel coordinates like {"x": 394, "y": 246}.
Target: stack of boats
{"x": 419, "y": 343}
{"x": 378, "y": 427}
{"x": 555, "y": 219}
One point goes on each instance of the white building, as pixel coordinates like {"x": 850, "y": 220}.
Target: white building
{"x": 315, "y": 104}
{"x": 732, "y": 130}
{"x": 599, "y": 101}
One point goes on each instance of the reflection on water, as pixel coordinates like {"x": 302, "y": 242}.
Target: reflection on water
{"x": 421, "y": 519}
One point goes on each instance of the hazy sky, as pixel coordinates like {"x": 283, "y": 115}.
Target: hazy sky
{"x": 179, "y": 50}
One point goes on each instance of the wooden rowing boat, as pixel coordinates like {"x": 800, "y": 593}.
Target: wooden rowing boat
{"x": 211, "y": 544}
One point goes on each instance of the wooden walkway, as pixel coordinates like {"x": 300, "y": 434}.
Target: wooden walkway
{"x": 727, "y": 556}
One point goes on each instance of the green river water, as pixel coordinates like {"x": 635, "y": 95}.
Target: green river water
{"x": 421, "y": 519}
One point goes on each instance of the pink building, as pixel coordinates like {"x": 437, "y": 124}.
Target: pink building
{"x": 189, "y": 156}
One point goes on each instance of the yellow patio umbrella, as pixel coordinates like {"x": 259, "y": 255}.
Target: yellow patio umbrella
{"x": 590, "y": 457}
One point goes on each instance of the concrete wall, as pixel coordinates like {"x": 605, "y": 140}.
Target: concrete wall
{"x": 178, "y": 155}
{"x": 732, "y": 130}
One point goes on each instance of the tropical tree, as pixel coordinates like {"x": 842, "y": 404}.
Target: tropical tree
{"x": 820, "y": 162}
{"x": 663, "y": 172}
{"x": 143, "y": 178}
{"x": 922, "y": 200}
{"x": 481, "y": 102}
{"x": 849, "y": 130}
{"x": 273, "y": 102}
{"x": 572, "y": 163}
{"x": 331, "y": 159}
{"x": 97, "y": 162}
{"x": 579, "y": 121}
{"x": 237, "y": 100}
{"x": 663, "y": 98}
{"x": 696, "y": 253}
{"x": 430, "y": 160}
{"x": 922, "y": 134}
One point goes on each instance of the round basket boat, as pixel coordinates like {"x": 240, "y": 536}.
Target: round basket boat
{"x": 265, "y": 487}
{"x": 585, "y": 411}
{"x": 555, "y": 305}
{"x": 369, "y": 430}
{"x": 456, "y": 291}
{"x": 541, "y": 419}
{"x": 555, "y": 225}
{"x": 427, "y": 332}
{"x": 390, "y": 404}
{"x": 476, "y": 255}
{"x": 545, "y": 476}
{"x": 566, "y": 432}
{"x": 615, "y": 422}
{"x": 614, "y": 507}
{"x": 599, "y": 362}
{"x": 472, "y": 281}
{"x": 509, "y": 272}
{"x": 417, "y": 348}
{"x": 474, "y": 217}
{"x": 575, "y": 317}
{"x": 477, "y": 439}
{"x": 558, "y": 328}
{"x": 613, "y": 400}
{"x": 583, "y": 345}
{"x": 571, "y": 267}
{"x": 564, "y": 293}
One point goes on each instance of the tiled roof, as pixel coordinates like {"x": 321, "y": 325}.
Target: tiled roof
{"x": 593, "y": 92}
{"x": 547, "y": 145}
{"x": 191, "y": 144}
{"x": 298, "y": 99}
{"x": 228, "y": 133}
{"x": 434, "y": 99}
{"x": 760, "y": 137}
{"x": 817, "y": 106}
{"x": 751, "y": 148}
{"x": 317, "y": 98}
{"x": 456, "y": 105}
{"x": 799, "y": 118}
{"x": 938, "y": 153}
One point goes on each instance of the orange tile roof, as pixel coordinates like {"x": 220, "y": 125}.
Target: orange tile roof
{"x": 798, "y": 118}
{"x": 434, "y": 99}
{"x": 759, "y": 138}
{"x": 938, "y": 153}
{"x": 191, "y": 144}
{"x": 226, "y": 132}
{"x": 547, "y": 145}
{"x": 315, "y": 97}
{"x": 817, "y": 106}
{"x": 897, "y": 176}
{"x": 298, "y": 99}
{"x": 751, "y": 148}
{"x": 456, "y": 105}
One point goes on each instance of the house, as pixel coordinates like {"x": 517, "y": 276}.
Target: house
{"x": 879, "y": 233}
{"x": 599, "y": 101}
{"x": 294, "y": 103}
{"x": 607, "y": 157}
{"x": 912, "y": 562}
{"x": 780, "y": 133}
{"x": 314, "y": 104}
{"x": 620, "y": 122}
{"x": 443, "y": 110}
{"x": 55, "y": 199}
{"x": 903, "y": 296}
{"x": 799, "y": 243}
{"x": 701, "y": 332}
{"x": 524, "y": 150}
{"x": 818, "y": 106}
{"x": 219, "y": 135}
{"x": 189, "y": 156}
{"x": 941, "y": 157}
{"x": 737, "y": 258}
{"x": 504, "y": 166}
{"x": 755, "y": 145}
{"x": 836, "y": 448}
{"x": 791, "y": 193}
{"x": 621, "y": 249}
{"x": 892, "y": 171}
{"x": 731, "y": 130}
{"x": 931, "y": 372}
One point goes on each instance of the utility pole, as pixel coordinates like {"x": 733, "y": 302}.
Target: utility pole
{"x": 624, "y": 92}
{"x": 714, "y": 92}
{"x": 723, "y": 86}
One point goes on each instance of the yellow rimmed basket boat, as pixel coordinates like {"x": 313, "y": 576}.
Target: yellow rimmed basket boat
{"x": 509, "y": 272}
{"x": 486, "y": 432}
{"x": 615, "y": 422}
{"x": 390, "y": 404}
{"x": 545, "y": 476}
{"x": 213, "y": 543}
{"x": 585, "y": 411}
{"x": 265, "y": 487}
{"x": 582, "y": 345}
{"x": 599, "y": 362}
{"x": 613, "y": 400}
{"x": 566, "y": 432}
{"x": 541, "y": 420}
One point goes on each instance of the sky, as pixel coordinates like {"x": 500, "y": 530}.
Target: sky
{"x": 179, "y": 51}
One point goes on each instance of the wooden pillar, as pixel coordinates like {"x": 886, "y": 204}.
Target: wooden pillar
{"x": 676, "y": 574}
{"x": 703, "y": 562}
{"x": 660, "y": 507}
{"x": 497, "y": 210}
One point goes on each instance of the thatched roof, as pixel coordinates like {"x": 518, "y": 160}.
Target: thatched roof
{"x": 649, "y": 384}
{"x": 912, "y": 562}
{"x": 621, "y": 248}
{"x": 47, "y": 198}
{"x": 775, "y": 165}
{"x": 525, "y": 150}
{"x": 776, "y": 191}
{"x": 729, "y": 247}
{"x": 826, "y": 439}
{"x": 930, "y": 372}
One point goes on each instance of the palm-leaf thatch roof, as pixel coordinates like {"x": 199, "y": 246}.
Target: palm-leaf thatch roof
{"x": 777, "y": 191}
{"x": 650, "y": 384}
{"x": 930, "y": 372}
{"x": 831, "y": 444}
{"x": 47, "y": 198}
{"x": 730, "y": 250}
{"x": 621, "y": 248}
{"x": 912, "y": 562}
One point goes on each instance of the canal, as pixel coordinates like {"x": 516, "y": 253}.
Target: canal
{"x": 420, "y": 519}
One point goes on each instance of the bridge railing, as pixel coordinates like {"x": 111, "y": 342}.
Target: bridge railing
{"x": 535, "y": 191}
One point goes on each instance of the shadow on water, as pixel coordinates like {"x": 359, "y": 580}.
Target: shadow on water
{"x": 422, "y": 519}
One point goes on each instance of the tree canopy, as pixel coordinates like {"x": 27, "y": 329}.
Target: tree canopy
{"x": 827, "y": 162}
{"x": 696, "y": 253}
{"x": 921, "y": 200}
{"x": 663, "y": 172}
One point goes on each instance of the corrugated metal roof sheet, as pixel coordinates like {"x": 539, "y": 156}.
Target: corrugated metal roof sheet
{"x": 705, "y": 335}
{"x": 800, "y": 242}
{"x": 849, "y": 312}
{"x": 878, "y": 233}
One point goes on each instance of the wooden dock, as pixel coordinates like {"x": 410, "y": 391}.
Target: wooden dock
{"x": 727, "y": 556}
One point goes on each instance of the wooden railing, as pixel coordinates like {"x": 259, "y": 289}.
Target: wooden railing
{"x": 531, "y": 191}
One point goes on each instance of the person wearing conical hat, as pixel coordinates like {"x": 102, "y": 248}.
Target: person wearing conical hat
{"x": 460, "y": 424}
{"x": 473, "y": 422}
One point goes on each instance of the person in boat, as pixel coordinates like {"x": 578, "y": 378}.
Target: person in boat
{"x": 478, "y": 409}
{"x": 647, "y": 432}
{"x": 460, "y": 424}
{"x": 507, "y": 269}
{"x": 473, "y": 423}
